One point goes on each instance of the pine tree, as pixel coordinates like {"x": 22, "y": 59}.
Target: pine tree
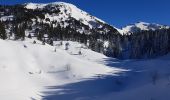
{"x": 16, "y": 32}
{"x": 29, "y": 36}
{"x": 2, "y": 31}
{"x": 67, "y": 46}
{"x": 43, "y": 42}
{"x": 51, "y": 42}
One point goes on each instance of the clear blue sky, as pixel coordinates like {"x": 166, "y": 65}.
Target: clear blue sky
{"x": 119, "y": 12}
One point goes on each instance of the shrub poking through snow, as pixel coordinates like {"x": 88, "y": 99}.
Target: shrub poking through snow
{"x": 155, "y": 77}
{"x": 68, "y": 67}
{"x": 34, "y": 42}
{"x": 67, "y": 46}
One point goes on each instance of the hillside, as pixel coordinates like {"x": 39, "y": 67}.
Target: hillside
{"x": 147, "y": 80}
{"x": 27, "y": 69}
{"x": 143, "y": 79}
{"x": 44, "y": 72}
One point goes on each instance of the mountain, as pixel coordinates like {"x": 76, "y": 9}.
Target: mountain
{"x": 60, "y": 21}
{"x": 66, "y": 10}
{"x": 142, "y": 26}
{"x": 56, "y": 14}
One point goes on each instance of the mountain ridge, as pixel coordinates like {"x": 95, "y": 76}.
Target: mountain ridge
{"x": 141, "y": 26}
{"x": 86, "y": 18}
{"x": 125, "y": 30}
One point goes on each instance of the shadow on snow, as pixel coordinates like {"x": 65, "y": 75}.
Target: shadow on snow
{"x": 87, "y": 89}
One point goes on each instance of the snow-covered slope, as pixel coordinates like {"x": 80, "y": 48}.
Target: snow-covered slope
{"x": 141, "y": 26}
{"x": 27, "y": 68}
{"x": 147, "y": 80}
{"x": 27, "y": 71}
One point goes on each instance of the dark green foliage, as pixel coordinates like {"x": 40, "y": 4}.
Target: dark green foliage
{"x": 51, "y": 42}
{"x": 43, "y": 42}
{"x": 34, "y": 42}
{"x": 29, "y": 36}
{"x": 19, "y": 31}
{"x": 3, "y": 34}
{"x": 148, "y": 44}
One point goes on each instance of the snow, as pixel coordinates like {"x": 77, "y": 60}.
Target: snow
{"x": 5, "y": 18}
{"x": 135, "y": 83}
{"x": 120, "y": 31}
{"x": 43, "y": 72}
{"x": 26, "y": 69}
{"x": 138, "y": 84}
{"x": 35, "y": 6}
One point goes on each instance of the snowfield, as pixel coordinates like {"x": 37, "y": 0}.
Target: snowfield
{"x": 27, "y": 69}
{"x": 147, "y": 80}
{"x": 42, "y": 72}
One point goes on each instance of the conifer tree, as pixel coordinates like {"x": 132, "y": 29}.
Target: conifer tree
{"x": 2, "y": 31}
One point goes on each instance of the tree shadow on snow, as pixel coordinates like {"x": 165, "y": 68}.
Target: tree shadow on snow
{"x": 89, "y": 89}
{"x": 85, "y": 89}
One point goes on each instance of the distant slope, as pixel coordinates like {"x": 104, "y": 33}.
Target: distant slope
{"x": 139, "y": 26}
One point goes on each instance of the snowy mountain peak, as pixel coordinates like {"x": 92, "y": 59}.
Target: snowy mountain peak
{"x": 43, "y": 5}
{"x": 34, "y": 5}
{"x": 139, "y": 26}
{"x": 66, "y": 10}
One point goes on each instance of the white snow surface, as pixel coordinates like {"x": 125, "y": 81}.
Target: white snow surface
{"x": 27, "y": 68}
{"x": 147, "y": 80}
{"x": 5, "y": 18}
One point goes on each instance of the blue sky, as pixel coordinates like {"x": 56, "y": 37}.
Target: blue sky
{"x": 119, "y": 12}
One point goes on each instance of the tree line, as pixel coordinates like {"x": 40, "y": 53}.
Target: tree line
{"x": 106, "y": 39}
